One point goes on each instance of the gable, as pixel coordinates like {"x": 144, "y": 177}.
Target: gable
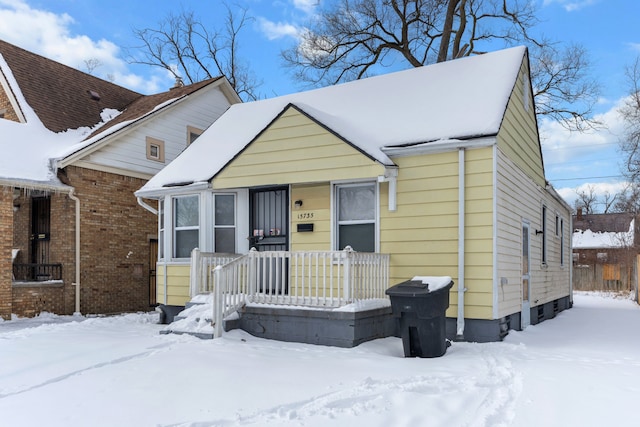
{"x": 518, "y": 136}
{"x": 295, "y": 148}
{"x": 125, "y": 151}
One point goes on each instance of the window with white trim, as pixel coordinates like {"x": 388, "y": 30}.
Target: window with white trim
{"x": 356, "y": 216}
{"x": 186, "y": 225}
{"x": 161, "y": 229}
{"x": 224, "y": 223}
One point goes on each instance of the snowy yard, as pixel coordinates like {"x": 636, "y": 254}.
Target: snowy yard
{"x": 580, "y": 369}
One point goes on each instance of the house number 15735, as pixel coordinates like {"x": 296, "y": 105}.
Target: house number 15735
{"x": 305, "y": 215}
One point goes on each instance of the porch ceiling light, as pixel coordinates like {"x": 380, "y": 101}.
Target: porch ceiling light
{"x": 298, "y": 203}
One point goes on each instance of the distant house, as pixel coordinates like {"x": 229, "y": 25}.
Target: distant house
{"x": 605, "y": 251}
{"x": 433, "y": 171}
{"x": 74, "y": 148}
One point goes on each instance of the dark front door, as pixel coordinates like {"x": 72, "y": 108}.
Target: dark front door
{"x": 153, "y": 259}
{"x": 269, "y": 225}
{"x": 269, "y": 222}
{"x": 40, "y": 235}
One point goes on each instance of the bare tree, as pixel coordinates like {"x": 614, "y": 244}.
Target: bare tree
{"x": 351, "y": 39}
{"x": 630, "y": 113}
{"x": 185, "y": 47}
{"x": 586, "y": 200}
{"x": 91, "y": 65}
{"x": 628, "y": 200}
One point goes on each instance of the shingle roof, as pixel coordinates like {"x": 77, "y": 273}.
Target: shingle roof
{"x": 145, "y": 104}
{"x": 61, "y": 95}
{"x": 609, "y": 222}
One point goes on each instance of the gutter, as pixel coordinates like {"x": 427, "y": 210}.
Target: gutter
{"x": 73, "y": 197}
{"x": 461, "y": 244}
{"x": 146, "y": 206}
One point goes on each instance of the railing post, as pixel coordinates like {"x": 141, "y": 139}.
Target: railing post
{"x": 194, "y": 275}
{"x": 252, "y": 288}
{"x": 347, "y": 251}
{"x": 218, "y": 304}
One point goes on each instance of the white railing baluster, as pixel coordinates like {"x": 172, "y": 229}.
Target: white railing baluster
{"x": 313, "y": 279}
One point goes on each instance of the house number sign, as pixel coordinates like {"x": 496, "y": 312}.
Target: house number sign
{"x": 304, "y": 215}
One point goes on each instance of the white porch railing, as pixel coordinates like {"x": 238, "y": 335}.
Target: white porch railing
{"x": 309, "y": 279}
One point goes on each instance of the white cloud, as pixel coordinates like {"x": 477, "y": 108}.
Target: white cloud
{"x": 571, "y": 5}
{"x": 49, "y": 34}
{"x": 279, "y": 30}
{"x": 306, "y": 5}
{"x": 567, "y": 145}
{"x": 600, "y": 189}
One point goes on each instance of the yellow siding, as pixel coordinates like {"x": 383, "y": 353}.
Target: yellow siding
{"x": 518, "y": 136}
{"x": 316, "y": 210}
{"x": 177, "y": 279}
{"x": 422, "y": 235}
{"x": 295, "y": 149}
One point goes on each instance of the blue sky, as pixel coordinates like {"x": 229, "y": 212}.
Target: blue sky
{"x": 72, "y": 31}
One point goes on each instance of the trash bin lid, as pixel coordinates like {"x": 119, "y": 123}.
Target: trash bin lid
{"x": 434, "y": 282}
{"x": 409, "y": 288}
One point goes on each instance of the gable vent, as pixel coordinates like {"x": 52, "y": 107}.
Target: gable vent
{"x": 94, "y": 95}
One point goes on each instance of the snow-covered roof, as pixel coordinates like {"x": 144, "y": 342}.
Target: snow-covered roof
{"x": 461, "y": 99}
{"x": 588, "y": 239}
{"x": 29, "y": 148}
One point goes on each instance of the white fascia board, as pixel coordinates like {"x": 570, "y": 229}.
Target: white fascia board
{"x": 159, "y": 193}
{"x": 439, "y": 146}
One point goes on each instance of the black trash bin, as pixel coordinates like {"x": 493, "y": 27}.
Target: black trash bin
{"x": 421, "y": 316}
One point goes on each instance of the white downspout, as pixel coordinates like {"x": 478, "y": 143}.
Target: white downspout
{"x": 77, "y": 282}
{"x": 146, "y": 206}
{"x": 461, "y": 245}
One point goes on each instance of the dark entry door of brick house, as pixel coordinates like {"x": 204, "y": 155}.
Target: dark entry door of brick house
{"x": 153, "y": 259}
{"x": 40, "y": 229}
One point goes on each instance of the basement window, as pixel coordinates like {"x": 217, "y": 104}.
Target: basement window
{"x": 155, "y": 149}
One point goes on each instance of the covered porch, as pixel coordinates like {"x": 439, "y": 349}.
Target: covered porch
{"x": 320, "y": 297}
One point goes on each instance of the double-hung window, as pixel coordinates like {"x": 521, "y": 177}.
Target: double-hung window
{"x": 356, "y": 215}
{"x": 225, "y": 223}
{"x": 186, "y": 225}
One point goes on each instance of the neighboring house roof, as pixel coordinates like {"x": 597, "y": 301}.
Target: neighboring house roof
{"x": 60, "y": 95}
{"x": 455, "y": 100}
{"x": 612, "y": 230}
{"x": 60, "y": 117}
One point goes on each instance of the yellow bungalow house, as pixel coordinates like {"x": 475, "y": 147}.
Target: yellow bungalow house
{"x": 433, "y": 171}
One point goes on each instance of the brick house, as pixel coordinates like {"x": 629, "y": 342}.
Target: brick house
{"x": 74, "y": 149}
{"x": 605, "y": 251}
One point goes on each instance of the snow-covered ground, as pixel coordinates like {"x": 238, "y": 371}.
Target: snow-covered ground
{"x": 580, "y": 369}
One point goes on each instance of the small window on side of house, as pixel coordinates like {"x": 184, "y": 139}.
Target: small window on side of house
{"x": 3, "y": 111}
{"x": 192, "y": 134}
{"x": 155, "y": 149}
{"x": 544, "y": 234}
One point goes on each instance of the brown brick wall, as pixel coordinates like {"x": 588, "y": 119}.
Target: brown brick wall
{"x": 115, "y": 233}
{"x": 6, "y": 233}
{"x": 33, "y": 300}
{"x": 9, "y": 114}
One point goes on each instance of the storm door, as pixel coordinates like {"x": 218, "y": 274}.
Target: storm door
{"x": 525, "y": 315}
{"x": 269, "y": 227}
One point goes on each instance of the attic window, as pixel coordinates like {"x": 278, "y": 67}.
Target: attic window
{"x": 192, "y": 134}
{"x": 94, "y": 95}
{"x": 155, "y": 149}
